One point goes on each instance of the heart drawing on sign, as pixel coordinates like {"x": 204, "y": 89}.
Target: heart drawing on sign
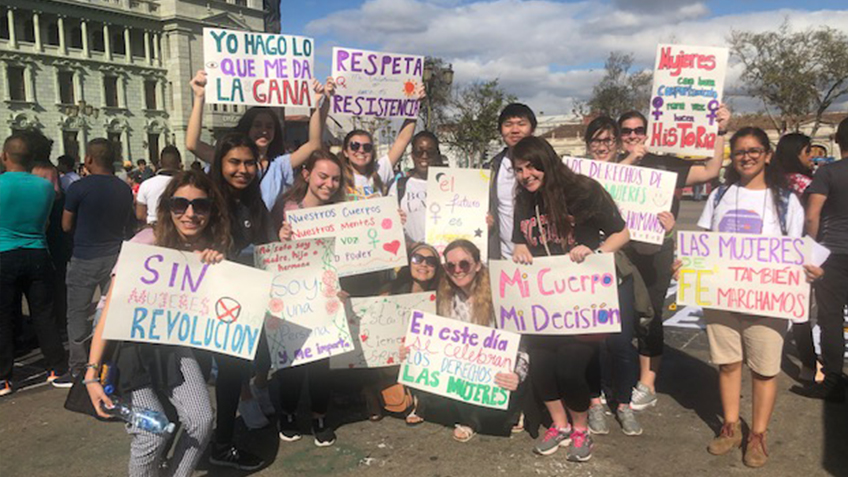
{"x": 390, "y": 360}
{"x": 392, "y": 246}
{"x": 363, "y": 337}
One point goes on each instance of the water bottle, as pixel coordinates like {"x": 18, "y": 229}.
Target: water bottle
{"x": 144, "y": 419}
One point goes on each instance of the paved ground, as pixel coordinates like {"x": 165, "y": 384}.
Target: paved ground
{"x": 807, "y": 438}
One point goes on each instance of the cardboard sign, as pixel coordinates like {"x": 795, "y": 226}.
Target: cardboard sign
{"x": 258, "y": 69}
{"x": 555, "y": 296}
{"x": 376, "y": 84}
{"x": 457, "y": 204}
{"x": 165, "y": 296}
{"x": 754, "y": 274}
{"x": 640, "y": 194}
{"x": 458, "y": 360}
{"x": 687, "y": 90}
{"x": 378, "y": 325}
{"x": 369, "y": 234}
{"x": 306, "y": 321}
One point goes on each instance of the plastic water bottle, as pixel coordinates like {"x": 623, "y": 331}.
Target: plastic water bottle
{"x": 144, "y": 419}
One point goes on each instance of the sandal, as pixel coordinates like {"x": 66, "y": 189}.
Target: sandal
{"x": 463, "y": 433}
{"x": 519, "y": 426}
{"x": 413, "y": 419}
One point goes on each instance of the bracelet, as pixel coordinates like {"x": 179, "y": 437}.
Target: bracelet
{"x": 669, "y": 234}
{"x": 91, "y": 366}
{"x": 90, "y": 381}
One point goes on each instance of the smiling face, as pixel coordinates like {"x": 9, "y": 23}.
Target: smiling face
{"x": 419, "y": 268}
{"x": 514, "y": 130}
{"x": 356, "y": 152}
{"x": 262, "y": 131}
{"x": 633, "y": 133}
{"x": 528, "y": 176}
{"x": 190, "y": 224}
{"x": 461, "y": 268}
{"x": 424, "y": 151}
{"x": 324, "y": 180}
{"x": 750, "y": 157}
{"x": 602, "y": 146}
{"x": 239, "y": 167}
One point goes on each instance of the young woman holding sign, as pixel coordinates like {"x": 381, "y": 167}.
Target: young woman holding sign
{"x": 755, "y": 200}
{"x": 411, "y": 190}
{"x": 558, "y": 212}
{"x": 275, "y": 167}
{"x": 192, "y": 217}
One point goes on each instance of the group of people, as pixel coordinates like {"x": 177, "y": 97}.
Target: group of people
{"x": 538, "y": 207}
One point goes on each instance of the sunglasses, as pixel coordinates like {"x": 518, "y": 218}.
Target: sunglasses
{"x": 201, "y": 206}
{"x": 430, "y": 261}
{"x": 640, "y": 131}
{"x": 367, "y": 147}
{"x": 463, "y": 266}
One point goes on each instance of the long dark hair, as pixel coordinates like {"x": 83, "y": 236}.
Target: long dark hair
{"x": 276, "y": 147}
{"x": 216, "y": 235}
{"x": 563, "y": 193}
{"x": 788, "y": 152}
{"x": 371, "y": 170}
{"x": 774, "y": 175}
{"x": 297, "y": 192}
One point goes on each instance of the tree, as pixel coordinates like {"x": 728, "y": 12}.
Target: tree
{"x": 438, "y": 81}
{"x": 620, "y": 90}
{"x": 474, "y": 122}
{"x": 796, "y": 74}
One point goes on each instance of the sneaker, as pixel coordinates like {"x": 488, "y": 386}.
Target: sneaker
{"x": 252, "y": 414}
{"x": 728, "y": 439}
{"x": 288, "y": 428}
{"x": 64, "y": 381}
{"x": 756, "y": 454}
{"x": 229, "y": 455}
{"x": 264, "y": 397}
{"x": 627, "y": 418}
{"x": 324, "y": 434}
{"x": 580, "y": 448}
{"x": 832, "y": 389}
{"x": 5, "y": 387}
{"x": 553, "y": 438}
{"x": 642, "y": 398}
{"x": 598, "y": 420}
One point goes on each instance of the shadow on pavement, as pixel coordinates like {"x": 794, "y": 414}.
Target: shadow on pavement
{"x": 693, "y": 384}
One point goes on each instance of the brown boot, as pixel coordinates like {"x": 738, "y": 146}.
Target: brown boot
{"x": 728, "y": 439}
{"x": 756, "y": 454}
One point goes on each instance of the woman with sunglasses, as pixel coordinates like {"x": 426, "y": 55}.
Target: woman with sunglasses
{"x": 261, "y": 124}
{"x": 411, "y": 190}
{"x": 558, "y": 212}
{"x": 192, "y": 217}
{"x": 654, "y": 262}
{"x": 321, "y": 182}
{"x": 464, "y": 293}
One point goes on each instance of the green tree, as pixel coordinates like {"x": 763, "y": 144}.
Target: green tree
{"x": 620, "y": 90}
{"x": 473, "y": 123}
{"x": 794, "y": 74}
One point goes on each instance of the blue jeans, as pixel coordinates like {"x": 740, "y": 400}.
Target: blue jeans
{"x": 83, "y": 279}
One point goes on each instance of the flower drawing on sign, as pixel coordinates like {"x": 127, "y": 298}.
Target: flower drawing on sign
{"x": 332, "y": 306}
{"x": 276, "y": 306}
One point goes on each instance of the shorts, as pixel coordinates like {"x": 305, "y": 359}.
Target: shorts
{"x": 758, "y": 340}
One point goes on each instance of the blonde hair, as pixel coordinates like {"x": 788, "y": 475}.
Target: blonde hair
{"x": 481, "y": 290}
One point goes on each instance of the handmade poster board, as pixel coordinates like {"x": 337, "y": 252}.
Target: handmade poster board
{"x": 376, "y": 84}
{"x": 457, "y": 204}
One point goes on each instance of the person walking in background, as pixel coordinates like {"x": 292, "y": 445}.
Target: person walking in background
{"x": 147, "y": 199}
{"x": 67, "y": 171}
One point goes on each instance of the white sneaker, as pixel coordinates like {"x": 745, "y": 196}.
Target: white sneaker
{"x": 264, "y": 397}
{"x": 252, "y": 414}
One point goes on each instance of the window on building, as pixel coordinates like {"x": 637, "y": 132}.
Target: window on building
{"x": 17, "y": 88}
{"x": 153, "y": 147}
{"x": 4, "y": 25}
{"x": 66, "y": 87}
{"x": 53, "y": 34}
{"x": 110, "y": 91}
{"x": 97, "y": 43}
{"x": 137, "y": 42}
{"x": 115, "y": 139}
{"x": 241, "y": 3}
{"x": 150, "y": 94}
{"x": 28, "y": 33}
{"x": 76, "y": 37}
{"x": 71, "y": 144}
{"x": 118, "y": 46}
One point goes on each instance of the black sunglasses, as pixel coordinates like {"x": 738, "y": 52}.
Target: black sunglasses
{"x": 201, "y": 206}
{"x": 367, "y": 147}
{"x": 418, "y": 259}
{"x": 453, "y": 268}
{"x": 640, "y": 131}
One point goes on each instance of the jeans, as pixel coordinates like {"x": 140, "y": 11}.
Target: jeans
{"x": 82, "y": 279}
{"x": 618, "y": 359}
{"x": 832, "y": 296}
{"x": 30, "y": 272}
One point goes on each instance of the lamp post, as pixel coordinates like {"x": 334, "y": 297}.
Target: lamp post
{"x": 435, "y": 76}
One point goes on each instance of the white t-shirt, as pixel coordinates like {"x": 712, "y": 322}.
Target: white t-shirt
{"x": 414, "y": 203}
{"x": 149, "y": 193}
{"x": 506, "y": 205}
{"x": 364, "y": 187}
{"x": 747, "y": 211}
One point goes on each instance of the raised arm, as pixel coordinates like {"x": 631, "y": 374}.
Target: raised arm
{"x": 711, "y": 169}
{"x": 316, "y": 121}
{"x": 204, "y": 151}
{"x": 404, "y": 137}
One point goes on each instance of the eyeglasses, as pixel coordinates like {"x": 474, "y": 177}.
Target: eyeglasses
{"x": 602, "y": 142}
{"x": 200, "y": 206}
{"x": 463, "y": 266}
{"x": 753, "y": 153}
{"x": 430, "y": 261}
{"x": 367, "y": 147}
{"x": 640, "y": 131}
{"x": 425, "y": 152}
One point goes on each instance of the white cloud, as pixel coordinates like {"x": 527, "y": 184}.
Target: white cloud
{"x": 539, "y": 49}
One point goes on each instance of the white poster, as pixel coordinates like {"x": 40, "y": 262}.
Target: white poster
{"x": 457, "y": 204}
{"x": 376, "y": 84}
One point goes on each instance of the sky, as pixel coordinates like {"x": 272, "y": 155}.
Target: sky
{"x": 547, "y": 53}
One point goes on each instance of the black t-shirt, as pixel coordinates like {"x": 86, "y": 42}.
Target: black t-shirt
{"x": 830, "y": 180}
{"x": 590, "y": 233}
{"x": 103, "y": 205}
{"x": 246, "y": 233}
{"x": 671, "y": 164}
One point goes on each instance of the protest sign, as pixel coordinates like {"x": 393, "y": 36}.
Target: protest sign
{"x": 306, "y": 321}
{"x": 457, "y": 204}
{"x": 165, "y": 296}
{"x": 687, "y": 90}
{"x": 458, "y": 360}
{"x": 378, "y": 325}
{"x": 258, "y": 69}
{"x": 555, "y": 296}
{"x": 640, "y": 194}
{"x": 754, "y": 274}
{"x": 369, "y": 234}
{"x": 377, "y": 84}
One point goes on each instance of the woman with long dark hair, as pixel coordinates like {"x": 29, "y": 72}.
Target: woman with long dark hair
{"x": 794, "y": 154}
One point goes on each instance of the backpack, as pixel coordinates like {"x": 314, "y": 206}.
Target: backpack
{"x": 401, "y": 187}
{"x": 782, "y": 205}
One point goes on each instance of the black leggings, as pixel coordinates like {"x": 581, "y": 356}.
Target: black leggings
{"x": 287, "y": 385}
{"x": 560, "y": 367}
{"x": 655, "y": 269}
